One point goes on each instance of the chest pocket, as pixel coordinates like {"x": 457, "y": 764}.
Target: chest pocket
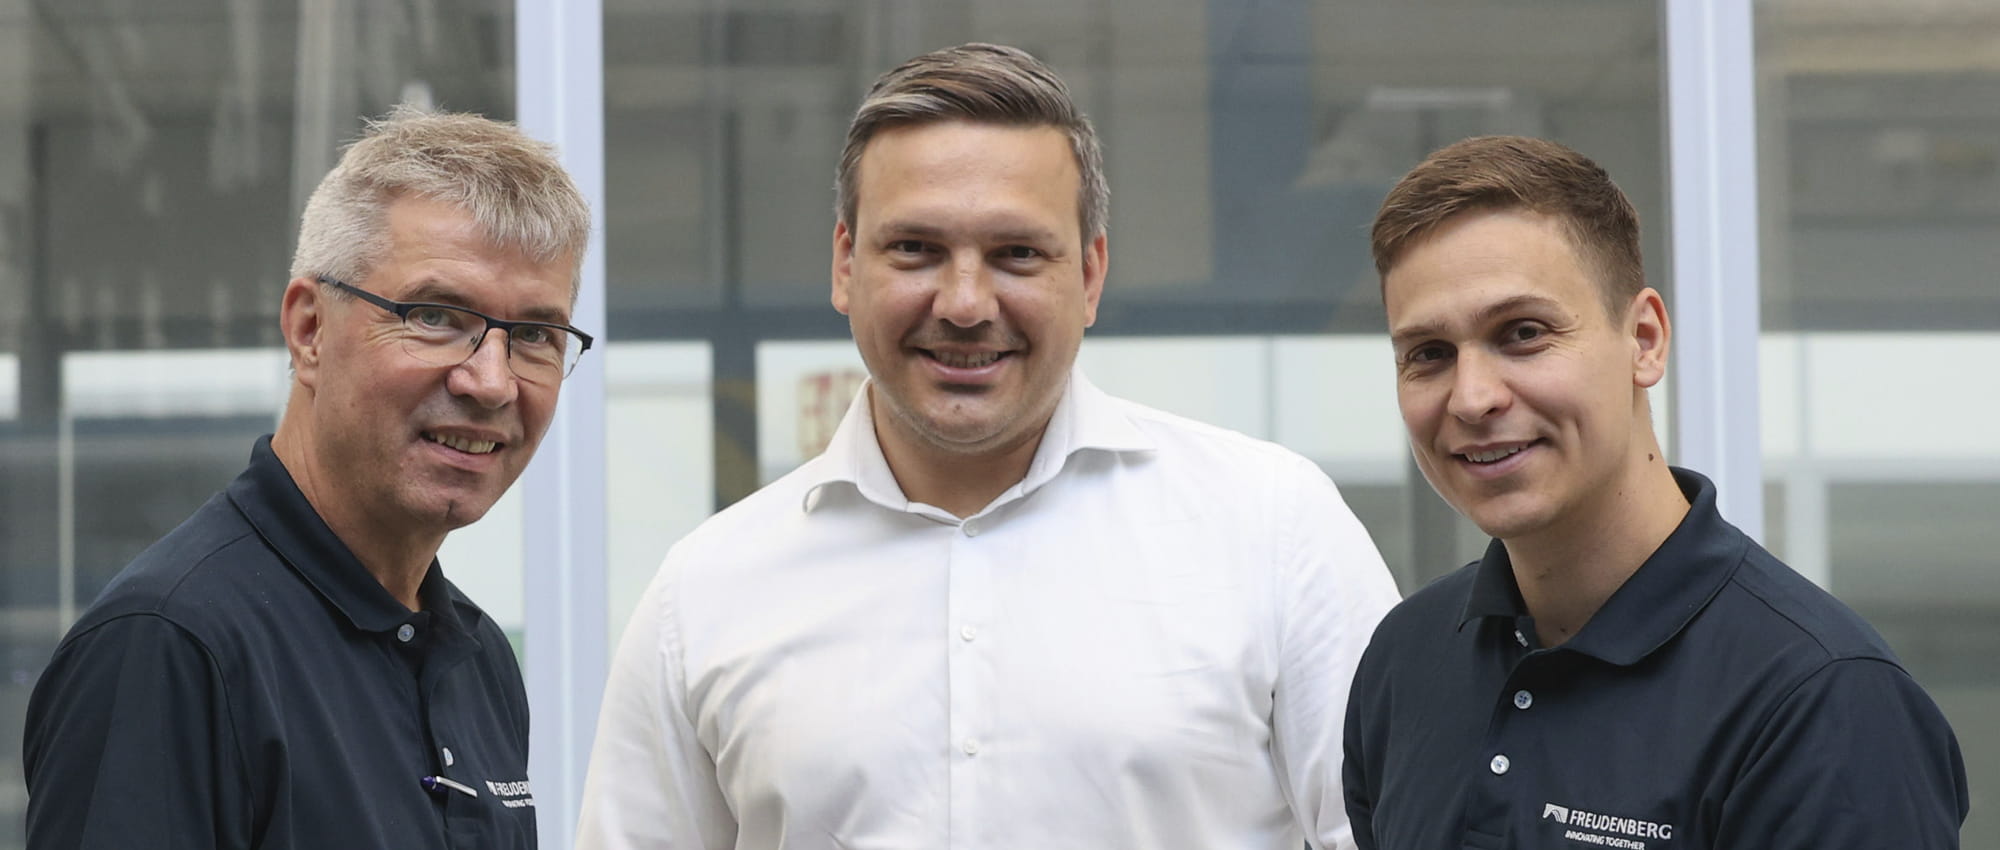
{"x": 501, "y": 816}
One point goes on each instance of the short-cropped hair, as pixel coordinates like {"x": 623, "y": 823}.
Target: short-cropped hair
{"x": 981, "y": 83}
{"x": 512, "y": 186}
{"x": 1488, "y": 173}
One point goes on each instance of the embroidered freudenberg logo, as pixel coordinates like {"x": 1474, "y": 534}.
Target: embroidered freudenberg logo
{"x": 1606, "y": 830}
{"x": 513, "y": 795}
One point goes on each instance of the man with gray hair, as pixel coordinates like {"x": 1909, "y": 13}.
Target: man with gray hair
{"x": 1003, "y": 609}
{"x": 290, "y": 667}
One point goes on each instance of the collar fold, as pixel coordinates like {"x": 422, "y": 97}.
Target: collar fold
{"x": 1085, "y": 419}
{"x": 1659, "y": 600}
{"x": 268, "y": 497}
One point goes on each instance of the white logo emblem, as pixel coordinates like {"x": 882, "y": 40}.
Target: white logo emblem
{"x": 513, "y": 795}
{"x": 1588, "y": 827}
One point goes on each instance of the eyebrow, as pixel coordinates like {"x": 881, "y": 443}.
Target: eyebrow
{"x": 438, "y": 292}
{"x": 1036, "y": 235}
{"x": 1483, "y": 315}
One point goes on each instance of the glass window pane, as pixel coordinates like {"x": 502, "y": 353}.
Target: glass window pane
{"x": 1247, "y": 144}
{"x": 154, "y": 157}
{"x": 1879, "y": 133}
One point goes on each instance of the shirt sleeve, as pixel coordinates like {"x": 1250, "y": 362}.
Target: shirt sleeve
{"x": 1333, "y": 589}
{"x": 1858, "y": 756}
{"x": 1358, "y": 787}
{"x": 128, "y": 743}
{"x": 651, "y": 783}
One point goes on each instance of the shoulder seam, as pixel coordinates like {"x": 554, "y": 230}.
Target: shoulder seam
{"x": 1736, "y": 579}
{"x": 158, "y": 604}
{"x": 208, "y": 655}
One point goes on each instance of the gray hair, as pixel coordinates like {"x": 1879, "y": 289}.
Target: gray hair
{"x": 512, "y": 185}
{"x": 984, "y": 83}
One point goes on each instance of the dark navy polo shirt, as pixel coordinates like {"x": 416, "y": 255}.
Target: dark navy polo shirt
{"x": 246, "y": 683}
{"x": 1718, "y": 699}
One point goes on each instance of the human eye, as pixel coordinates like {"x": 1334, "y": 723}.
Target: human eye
{"x": 1019, "y": 259}
{"x": 1523, "y": 331}
{"x": 428, "y": 318}
{"x": 907, "y": 253}
{"x": 1425, "y": 355}
{"x": 540, "y": 336}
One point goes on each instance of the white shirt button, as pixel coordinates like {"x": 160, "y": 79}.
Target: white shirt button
{"x": 1523, "y": 699}
{"x": 405, "y": 631}
{"x": 971, "y": 747}
{"x": 445, "y": 752}
{"x": 971, "y": 528}
{"x": 1521, "y": 638}
{"x": 1499, "y": 765}
{"x": 968, "y": 632}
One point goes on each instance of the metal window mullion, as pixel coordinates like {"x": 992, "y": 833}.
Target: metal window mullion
{"x": 1712, "y": 155}
{"x": 559, "y": 92}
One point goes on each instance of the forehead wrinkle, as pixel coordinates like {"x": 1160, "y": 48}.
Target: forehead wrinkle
{"x": 1001, "y": 231}
{"x": 437, "y": 291}
{"x": 1481, "y": 316}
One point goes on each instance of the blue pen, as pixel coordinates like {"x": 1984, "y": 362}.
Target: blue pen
{"x": 437, "y": 784}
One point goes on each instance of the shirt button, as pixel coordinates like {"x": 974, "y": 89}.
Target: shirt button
{"x": 1499, "y": 765}
{"x": 971, "y": 747}
{"x": 1520, "y": 638}
{"x": 971, "y": 528}
{"x": 968, "y": 632}
{"x": 445, "y": 752}
{"x": 405, "y": 631}
{"x": 1523, "y": 699}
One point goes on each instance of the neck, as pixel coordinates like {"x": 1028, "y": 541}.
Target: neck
{"x": 1567, "y": 573}
{"x": 960, "y": 482}
{"x": 397, "y": 559}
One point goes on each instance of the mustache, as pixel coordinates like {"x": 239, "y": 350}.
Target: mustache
{"x": 982, "y": 335}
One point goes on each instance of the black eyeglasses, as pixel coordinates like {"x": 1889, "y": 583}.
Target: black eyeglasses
{"x": 444, "y": 335}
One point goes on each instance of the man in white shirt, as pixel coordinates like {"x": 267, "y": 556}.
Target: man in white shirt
{"x": 1003, "y": 609}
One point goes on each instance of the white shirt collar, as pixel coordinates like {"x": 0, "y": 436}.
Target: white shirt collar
{"x": 1085, "y": 419}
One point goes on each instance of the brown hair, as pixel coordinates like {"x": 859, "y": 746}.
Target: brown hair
{"x": 985, "y": 83}
{"x": 513, "y": 186}
{"x": 1515, "y": 172}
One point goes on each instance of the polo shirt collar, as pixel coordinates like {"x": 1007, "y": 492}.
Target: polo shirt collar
{"x": 271, "y": 500}
{"x": 1652, "y": 606}
{"x": 1085, "y": 419}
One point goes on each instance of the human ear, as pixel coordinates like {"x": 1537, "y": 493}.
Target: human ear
{"x": 1652, "y": 333}
{"x": 301, "y": 317}
{"x": 1096, "y": 259}
{"x": 843, "y": 265}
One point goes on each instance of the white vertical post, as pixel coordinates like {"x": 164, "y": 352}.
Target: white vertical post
{"x": 1712, "y": 156}
{"x": 559, "y": 91}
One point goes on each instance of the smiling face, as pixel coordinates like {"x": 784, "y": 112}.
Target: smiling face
{"x": 1524, "y": 401}
{"x": 967, "y": 282}
{"x": 388, "y": 443}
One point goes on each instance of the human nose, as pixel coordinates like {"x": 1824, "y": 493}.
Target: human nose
{"x": 965, "y": 297}
{"x": 486, "y": 377}
{"x": 1478, "y": 389}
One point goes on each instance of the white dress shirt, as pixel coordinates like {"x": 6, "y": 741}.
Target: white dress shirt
{"x": 1146, "y": 643}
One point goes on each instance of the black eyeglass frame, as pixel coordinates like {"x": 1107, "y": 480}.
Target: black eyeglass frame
{"x": 402, "y": 310}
